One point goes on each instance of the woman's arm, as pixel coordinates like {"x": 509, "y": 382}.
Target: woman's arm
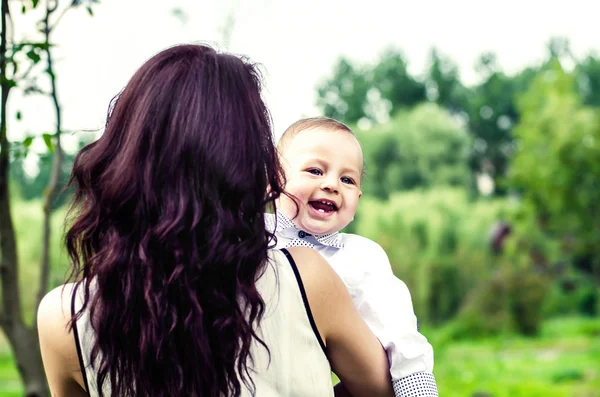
{"x": 355, "y": 354}
{"x": 57, "y": 344}
{"x": 339, "y": 390}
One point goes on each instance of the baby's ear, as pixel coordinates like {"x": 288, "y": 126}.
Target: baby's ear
{"x": 359, "y": 193}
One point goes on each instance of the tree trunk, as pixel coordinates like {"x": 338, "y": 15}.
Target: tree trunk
{"x": 25, "y": 345}
{"x": 23, "y": 340}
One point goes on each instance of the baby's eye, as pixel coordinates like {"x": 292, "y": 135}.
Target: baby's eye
{"x": 315, "y": 171}
{"x": 347, "y": 180}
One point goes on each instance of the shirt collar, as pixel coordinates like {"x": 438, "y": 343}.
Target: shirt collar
{"x": 282, "y": 224}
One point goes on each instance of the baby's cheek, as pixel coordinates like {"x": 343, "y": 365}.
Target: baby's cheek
{"x": 353, "y": 204}
{"x": 295, "y": 201}
{"x": 300, "y": 191}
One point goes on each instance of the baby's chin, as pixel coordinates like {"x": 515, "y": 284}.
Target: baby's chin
{"x": 315, "y": 230}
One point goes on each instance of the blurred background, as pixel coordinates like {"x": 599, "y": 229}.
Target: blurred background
{"x": 480, "y": 125}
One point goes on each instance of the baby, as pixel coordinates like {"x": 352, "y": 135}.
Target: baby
{"x": 323, "y": 164}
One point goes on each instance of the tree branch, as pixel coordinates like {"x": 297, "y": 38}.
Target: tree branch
{"x": 60, "y": 16}
{"x": 51, "y": 188}
{"x": 9, "y": 276}
{"x": 32, "y": 65}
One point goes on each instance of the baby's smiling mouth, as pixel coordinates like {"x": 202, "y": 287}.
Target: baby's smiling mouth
{"x": 323, "y": 205}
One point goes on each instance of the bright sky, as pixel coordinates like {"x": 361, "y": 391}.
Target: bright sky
{"x": 297, "y": 42}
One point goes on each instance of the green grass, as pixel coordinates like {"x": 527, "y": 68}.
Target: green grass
{"x": 10, "y": 384}
{"x": 564, "y": 361}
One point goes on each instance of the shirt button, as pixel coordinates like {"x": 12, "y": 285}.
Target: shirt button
{"x": 302, "y": 234}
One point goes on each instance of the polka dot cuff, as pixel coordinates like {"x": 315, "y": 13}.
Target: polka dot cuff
{"x": 420, "y": 384}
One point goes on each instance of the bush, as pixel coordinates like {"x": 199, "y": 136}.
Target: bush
{"x": 419, "y": 148}
{"x": 437, "y": 242}
{"x": 485, "y": 311}
{"x": 527, "y": 291}
{"x": 573, "y": 293}
{"x": 510, "y": 300}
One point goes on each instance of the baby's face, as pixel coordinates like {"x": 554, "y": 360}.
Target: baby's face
{"x": 323, "y": 170}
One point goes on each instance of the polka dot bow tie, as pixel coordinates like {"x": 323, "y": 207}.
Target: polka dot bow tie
{"x": 304, "y": 239}
{"x": 299, "y": 238}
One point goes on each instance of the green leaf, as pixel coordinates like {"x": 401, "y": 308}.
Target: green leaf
{"x": 27, "y": 142}
{"x": 90, "y": 11}
{"x": 10, "y": 83}
{"x": 48, "y": 142}
{"x": 35, "y": 3}
{"x": 19, "y": 115}
{"x": 23, "y": 9}
{"x": 33, "y": 55}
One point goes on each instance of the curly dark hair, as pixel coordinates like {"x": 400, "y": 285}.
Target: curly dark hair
{"x": 167, "y": 233}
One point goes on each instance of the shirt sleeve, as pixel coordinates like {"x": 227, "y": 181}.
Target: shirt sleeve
{"x": 385, "y": 304}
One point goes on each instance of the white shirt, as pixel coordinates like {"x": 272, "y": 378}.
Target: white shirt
{"x": 383, "y": 301}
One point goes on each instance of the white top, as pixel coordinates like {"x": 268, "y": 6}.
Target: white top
{"x": 298, "y": 368}
{"x": 382, "y": 300}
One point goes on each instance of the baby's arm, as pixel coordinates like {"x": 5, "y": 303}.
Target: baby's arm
{"x": 385, "y": 304}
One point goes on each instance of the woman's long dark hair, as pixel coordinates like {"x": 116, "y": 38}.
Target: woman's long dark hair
{"x": 168, "y": 234}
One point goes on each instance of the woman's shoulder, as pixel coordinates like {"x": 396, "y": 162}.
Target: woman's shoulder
{"x": 57, "y": 300}
{"x": 309, "y": 262}
{"x": 322, "y": 284}
{"x": 56, "y": 304}
{"x": 53, "y": 321}
{"x": 57, "y": 342}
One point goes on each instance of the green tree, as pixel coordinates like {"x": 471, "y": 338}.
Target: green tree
{"x": 32, "y": 187}
{"x": 392, "y": 79}
{"x": 588, "y": 76}
{"x": 556, "y": 166}
{"x": 354, "y": 92}
{"x": 344, "y": 95}
{"x": 443, "y": 83}
{"x": 492, "y": 113}
{"x": 422, "y": 147}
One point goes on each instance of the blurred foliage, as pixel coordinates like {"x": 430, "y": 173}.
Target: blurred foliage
{"x": 437, "y": 242}
{"x": 31, "y": 187}
{"x": 426, "y": 140}
{"x": 421, "y": 147}
{"x": 373, "y": 93}
{"x": 509, "y": 301}
{"x": 588, "y": 80}
{"x": 30, "y": 181}
{"x": 28, "y": 218}
{"x": 573, "y": 292}
{"x": 557, "y": 169}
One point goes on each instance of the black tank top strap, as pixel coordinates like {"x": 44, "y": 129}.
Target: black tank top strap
{"x": 305, "y": 299}
{"x": 77, "y": 339}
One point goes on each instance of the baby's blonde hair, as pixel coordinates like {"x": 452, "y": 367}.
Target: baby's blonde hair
{"x": 309, "y": 124}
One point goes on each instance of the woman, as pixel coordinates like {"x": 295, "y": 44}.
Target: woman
{"x": 179, "y": 294}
